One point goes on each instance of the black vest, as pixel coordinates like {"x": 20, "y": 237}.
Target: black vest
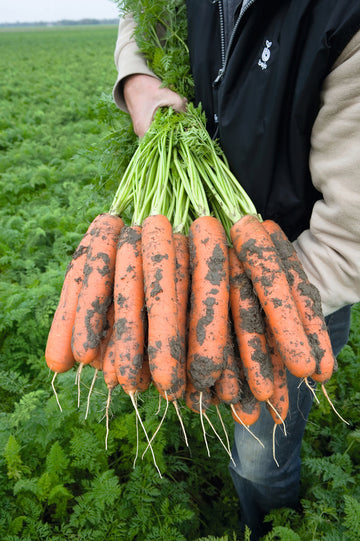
{"x": 263, "y": 107}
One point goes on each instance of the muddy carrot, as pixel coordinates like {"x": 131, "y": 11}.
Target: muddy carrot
{"x": 129, "y": 303}
{"x": 58, "y": 354}
{"x": 228, "y": 386}
{"x": 249, "y": 328}
{"x": 182, "y": 257}
{"x": 98, "y": 362}
{"x": 308, "y": 303}
{"x": 209, "y": 302}
{"x": 96, "y": 292}
{"x": 278, "y": 403}
{"x": 193, "y": 398}
{"x": 164, "y": 343}
{"x": 256, "y": 251}
{"x": 247, "y": 410}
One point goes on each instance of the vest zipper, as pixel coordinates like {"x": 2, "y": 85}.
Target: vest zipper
{"x": 225, "y": 53}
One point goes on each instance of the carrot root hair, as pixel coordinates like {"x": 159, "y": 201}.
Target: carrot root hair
{"x": 332, "y": 405}
{"x": 202, "y": 422}
{"x": 219, "y": 438}
{"x": 245, "y": 426}
{"x": 55, "y": 393}
{"x": 78, "y": 382}
{"x": 177, "y": 409}
{"x": 273, "y": 445}
{"x": 277, "y": 414}
{"x": 223, "y": 427}
{"x": 132, "y": 397}
{"x": 159, "y": 425}
{"x": 90, "y": 392}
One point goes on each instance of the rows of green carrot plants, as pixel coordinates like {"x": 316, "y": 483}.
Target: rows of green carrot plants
{"x": 59, "y": 167}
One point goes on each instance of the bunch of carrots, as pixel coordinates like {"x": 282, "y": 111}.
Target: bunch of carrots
{"x": 197, "y": 296}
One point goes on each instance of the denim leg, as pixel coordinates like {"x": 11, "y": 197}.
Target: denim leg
{"x": 261, "y": 484}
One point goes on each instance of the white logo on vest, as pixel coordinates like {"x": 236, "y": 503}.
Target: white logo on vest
{"x": 265, "y": 56}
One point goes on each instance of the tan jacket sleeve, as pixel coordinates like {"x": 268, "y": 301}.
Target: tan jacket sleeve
{"x": 330, "y": 249}
{"x": 128, "y": 58}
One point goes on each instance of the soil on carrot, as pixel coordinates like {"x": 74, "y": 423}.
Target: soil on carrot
{"x": 202, "y": 370}
{"x": 129, "y": 235}
{"x": 248, "y": 401}
{"x": 193, "y": 400}
{"x": 285, "y": 250}
{"x": 205, "y": 320}
{"x": 216, "y": 272}
{"x": 262, "y": 358}
{"x": 249, "y": 248}
{"x": 98, "y": 312}
{"x": 156, "y": 288}
{"x": 80, "y": 251}
{"x": 177, "y": 352}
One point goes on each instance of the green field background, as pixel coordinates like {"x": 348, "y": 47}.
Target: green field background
{"x": 63, "y": 146}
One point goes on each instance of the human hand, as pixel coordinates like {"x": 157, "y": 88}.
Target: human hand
{"x": 143, "y": 95}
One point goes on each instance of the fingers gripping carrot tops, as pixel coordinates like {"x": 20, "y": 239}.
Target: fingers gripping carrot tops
{"x": 209, "y": 301}
{"x": 308, "y": 303}
{"x": 58, "y": 354}
{"x": 129, "y": 301}
{"x": 256, "y": 251}
{"x": 249, "y": 328}
{"x": 164, "y": 344}
{"x": 96, "y": 292}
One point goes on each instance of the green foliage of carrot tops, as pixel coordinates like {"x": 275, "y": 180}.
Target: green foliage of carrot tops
{"x": 161, "y": 33}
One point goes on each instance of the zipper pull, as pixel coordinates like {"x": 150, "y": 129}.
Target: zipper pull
{"x": 218, "y": 77}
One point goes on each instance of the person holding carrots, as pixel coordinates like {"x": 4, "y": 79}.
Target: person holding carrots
{"x": 279, "y": 84}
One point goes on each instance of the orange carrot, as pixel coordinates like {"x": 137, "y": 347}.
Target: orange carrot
{"x": 58, "y": 354}
{"x": 249, "y": 328}
{"x": 96, "y": 292}
{"x": 228, "y": 386}
{"x": 98, "y": 362}
{"x": 193, "y": 397}
{"x": 308, "y": 303}
{"x": 129, "y": 303}
{"x": 164, "y": 343}
{"x": 278, "y": 403}
{"x": 109, "y": 364}
{"x": 209, "y": 301}
{"x": 247, "y": 410}
{"x": 256, "y": 251}
{"x": 144, "y": 376}
{"x": 182, "y": 284}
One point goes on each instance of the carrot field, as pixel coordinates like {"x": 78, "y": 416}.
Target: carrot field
{"x": 64, "y": 146}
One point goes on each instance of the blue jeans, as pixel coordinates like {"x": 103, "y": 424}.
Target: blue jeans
{"x": 261, "y": 484}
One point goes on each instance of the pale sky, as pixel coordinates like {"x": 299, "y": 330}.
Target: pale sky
{"x": 12, "y": 11}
